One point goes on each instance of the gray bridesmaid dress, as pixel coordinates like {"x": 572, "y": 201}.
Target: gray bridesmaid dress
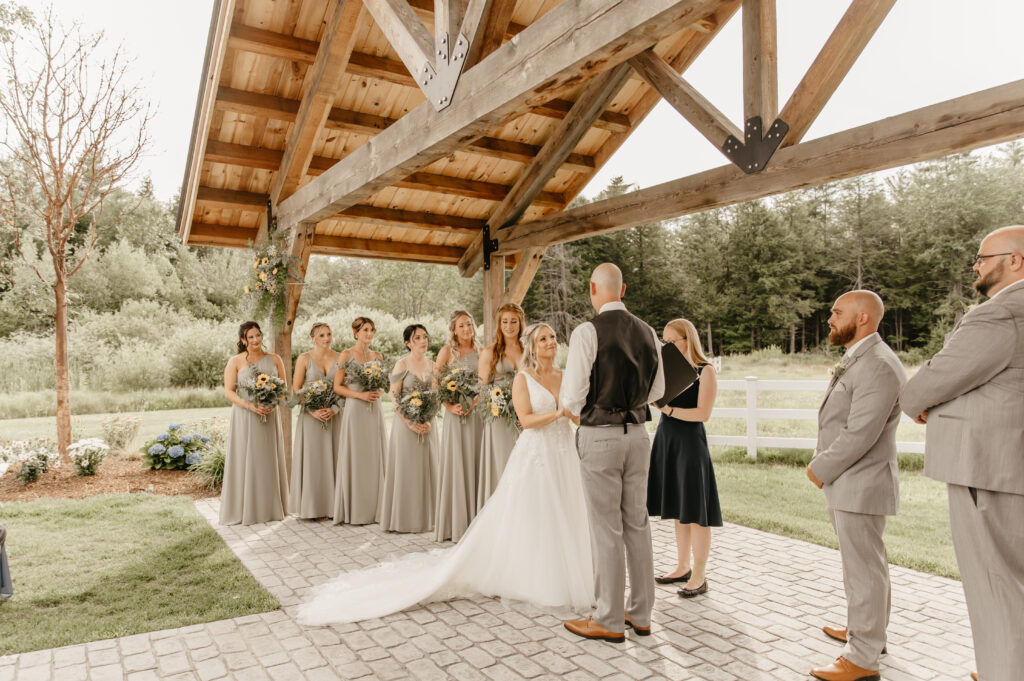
{"x": 315, "y": 454}
{"x": 408, "y": 500}
{"x": 255, "y": 486}
{"x": 360, "y": 467}
{"x": 456, "y": 482}
{"x": 496, "y": 444}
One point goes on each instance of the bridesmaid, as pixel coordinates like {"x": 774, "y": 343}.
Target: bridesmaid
{"x": 315, "y": 454}
{"x": 360, "y": 468}
{"x": 255, "y": 486}
{"x": 460, "y": 437}
{"x": 408, "y": 503}
{"x": 500, "y": 360}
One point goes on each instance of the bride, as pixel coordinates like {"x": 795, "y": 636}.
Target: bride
{"x": 531, "y": 540}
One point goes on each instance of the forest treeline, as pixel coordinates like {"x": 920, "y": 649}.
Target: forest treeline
{"x": 758, "y": 274}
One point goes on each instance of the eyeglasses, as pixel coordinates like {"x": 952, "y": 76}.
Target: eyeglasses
{"x": 981, "y": 257}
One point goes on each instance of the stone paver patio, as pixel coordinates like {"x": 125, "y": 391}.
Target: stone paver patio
{"x": 760, "y": 620}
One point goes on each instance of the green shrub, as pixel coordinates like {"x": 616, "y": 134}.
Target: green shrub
{"x": 20, "y": 405}
{"x": 32, "y": 457}
{"x": 209, "y": 470}
{"x": 198, "y": 354}
{"x": 119, "y": 430}
{"x": 174, "y": 450}
{"x": 133, "y": 366}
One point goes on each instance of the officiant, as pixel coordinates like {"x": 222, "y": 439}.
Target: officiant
{"x": 681, "y": 484}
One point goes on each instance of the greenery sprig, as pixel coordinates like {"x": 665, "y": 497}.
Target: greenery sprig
{"x": 272, "y": 270}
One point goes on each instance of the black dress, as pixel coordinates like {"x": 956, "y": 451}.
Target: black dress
{"x": 681, "y": 484}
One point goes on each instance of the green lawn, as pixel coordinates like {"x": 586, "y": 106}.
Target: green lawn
{"x": 109, "y": 566}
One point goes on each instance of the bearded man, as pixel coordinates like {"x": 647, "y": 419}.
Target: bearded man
{"x": 854, "y": 463}
{"x": 971, "y": 395}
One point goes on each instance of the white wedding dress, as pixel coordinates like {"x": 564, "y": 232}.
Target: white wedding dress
{"x": 530, "y": 542}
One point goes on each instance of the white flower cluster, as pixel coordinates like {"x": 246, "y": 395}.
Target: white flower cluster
{"x": 38, "y": 449}
{"x": 87, "y": 455}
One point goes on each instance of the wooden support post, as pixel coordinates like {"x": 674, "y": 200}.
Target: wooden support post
{"x": 494, "y": 291}
{"x": 760, "y": 61}
{"x": 522, "y": 275}
{"x": 300, "y": 244}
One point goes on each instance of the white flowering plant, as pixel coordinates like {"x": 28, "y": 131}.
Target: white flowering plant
{"x": 88, "y": 454}
{"x": 29, "y": 458}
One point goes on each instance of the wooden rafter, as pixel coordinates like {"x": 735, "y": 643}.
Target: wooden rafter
{"x": 835, "y": 60}
{"x": 760, "y": 61}
{"x": 523, "y": 274}
{"x": 975, "y": 120}
{"x": 700, "y": 112}
{"x": 404, "y": 30}
{"x": 607, "y": 32}
{"x": 282, "y": 109}
{"x": 565, "y": 137}
{"x": 321, "y": 86}
{"x": 496, "y": 21}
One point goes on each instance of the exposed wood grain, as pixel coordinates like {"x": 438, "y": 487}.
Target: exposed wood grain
{"x": 760, "y": 62}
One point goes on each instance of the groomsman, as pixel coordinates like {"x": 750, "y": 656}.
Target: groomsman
{"x": 971, "y": 394}
{"x": 854, "y": 462}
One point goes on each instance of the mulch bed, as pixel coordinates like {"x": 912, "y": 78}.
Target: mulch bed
{"x": 118, "y": 474}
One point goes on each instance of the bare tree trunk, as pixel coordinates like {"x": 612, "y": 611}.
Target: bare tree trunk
{"x": 63, "y": 376}
{"x": 711, "y": 347}
{"x": 792, "y": 339}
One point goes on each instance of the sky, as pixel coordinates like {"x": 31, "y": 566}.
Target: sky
{"x": 925, "y": 52}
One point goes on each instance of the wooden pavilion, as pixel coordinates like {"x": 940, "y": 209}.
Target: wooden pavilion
{"x": 457, "y": 131}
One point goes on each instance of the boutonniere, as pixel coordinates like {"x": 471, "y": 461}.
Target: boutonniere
{"x": 836, "y": 371}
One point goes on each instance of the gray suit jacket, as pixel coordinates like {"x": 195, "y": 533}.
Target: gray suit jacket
{"x": 856, "y": 452}
{"x": 973, "y": 390}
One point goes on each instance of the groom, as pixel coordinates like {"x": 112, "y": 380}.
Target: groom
{"x": 612, "y": 372}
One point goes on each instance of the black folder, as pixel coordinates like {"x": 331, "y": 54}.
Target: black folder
{"x": 679, "y": 373}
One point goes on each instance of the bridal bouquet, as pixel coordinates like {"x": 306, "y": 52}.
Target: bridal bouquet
{"x": 497, "y": 403}
{"x": 456, "y": 385}
{"x": 370, "y": 376}
{"x": 264, "y": 389}
{"x": 316, "y": 396}
{"x": 420, "y": 405}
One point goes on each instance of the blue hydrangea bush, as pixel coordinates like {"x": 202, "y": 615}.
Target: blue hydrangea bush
{"x": 174, "y": 450}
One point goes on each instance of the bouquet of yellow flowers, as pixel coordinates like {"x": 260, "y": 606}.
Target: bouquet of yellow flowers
{"x": 456, "y": 385}
{"x": 316, "y": 396}
{"x": 497, "y": 403}
{"x": 264, "y": 389}
{"x": 370, "y": 376}
{"x": 420, "y": 404}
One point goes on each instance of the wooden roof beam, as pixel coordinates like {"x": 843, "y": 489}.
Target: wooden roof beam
{"x": 983, "y": 118}
{"x": 568, "y": 44}
{"x": 760, "y": 62}
{"x": 566, "y": 136}
{"x": 837, "y": 56}
{"x": 496, "y": 22}
{"x": 385, "y": 250}
{"x": 320, "y": 87}
{"x": 279, "y": 108}
{"x": 270, "y": 159}
{"x": 701, "y": 113}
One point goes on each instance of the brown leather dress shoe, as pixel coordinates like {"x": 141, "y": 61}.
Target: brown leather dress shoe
{"x": 641, "y": 631}
{"x": 840, "y": 635}
{"x": 974, "y": 675}
{"x": 844, "y": 670}
{"x": 588, "y": 628}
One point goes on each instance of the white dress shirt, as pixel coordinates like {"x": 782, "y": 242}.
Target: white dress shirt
{"x": 583, "y": 353}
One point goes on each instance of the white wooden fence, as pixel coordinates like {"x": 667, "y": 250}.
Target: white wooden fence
{"x": 751, "y": 385}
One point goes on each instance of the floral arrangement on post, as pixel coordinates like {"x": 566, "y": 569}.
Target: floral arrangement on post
{"x": 264, "y": 389}
{"x": 272, "y": 269}
{"x": 369, "y": 376}
{"x": 456, "y": 385}
{"x": 497, "y": 403}
{"x": 316, "y": 396}
{"x": 88, "y": 454}
{"x": 419, "y": 405}
{"x": 174, "y": 450}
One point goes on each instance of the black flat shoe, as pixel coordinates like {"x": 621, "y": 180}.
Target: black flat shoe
{"x": 692, "y": 593}
{"x": 672, "y": 580}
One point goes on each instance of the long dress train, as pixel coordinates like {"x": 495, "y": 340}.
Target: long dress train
{"x": 531, "y": 542}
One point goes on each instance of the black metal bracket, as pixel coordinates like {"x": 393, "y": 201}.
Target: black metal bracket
{"x": 490, "y": 246}
{"x": 271, "y": 220}
{"x": 752, "y": 155}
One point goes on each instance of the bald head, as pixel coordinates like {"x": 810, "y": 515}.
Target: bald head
{"x": 855, "y": 316}
{"x": 606, "y": 285}
{"x": 1001, "y": 259}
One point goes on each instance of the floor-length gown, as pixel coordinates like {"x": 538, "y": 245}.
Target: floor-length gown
{"x": 315, "y": 454}
{"x": 496, "y": 443}
{"x": 255, "y": 488}
{"x": 407, "y": 504}
{"x": 531, "y": 542}
{"x": 681, "y": 484}
{"x": 456, "y": 482}
{"x": 360, "y": 469}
